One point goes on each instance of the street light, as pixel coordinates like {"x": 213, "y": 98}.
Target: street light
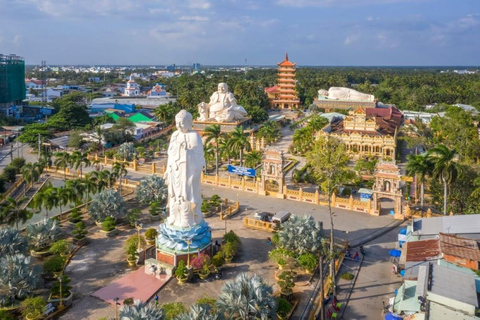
{"x": 116, "y": 307}
{"x": 60, "y": 280}
{"x": 139, "y": 227}
{"x": 189, "y": 242}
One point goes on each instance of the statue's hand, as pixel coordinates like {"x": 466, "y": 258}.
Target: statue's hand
{"x": 165, "y": 177}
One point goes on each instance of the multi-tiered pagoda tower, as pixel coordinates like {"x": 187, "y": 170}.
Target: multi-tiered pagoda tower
{"x": 286, "y": 95}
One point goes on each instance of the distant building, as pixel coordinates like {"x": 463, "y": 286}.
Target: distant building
{"x": 424, "y": 117}
{"x": 132, "y": 88}
{"x": 196, "y": 67}
{"x": 34, "y": 84}
{"x": 157, "y": 91}
{"x": 367, "y": 132}
{"x": 12, "y": 84}
{"x": 285, "y": 95}
{"x": 170, "y": 68}
{"x": 467, "y": 107}
{"x": 101, "y": 107}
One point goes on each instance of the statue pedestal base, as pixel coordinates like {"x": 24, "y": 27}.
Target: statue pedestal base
{"x": 174, "y": 244}
{"x": 200, "y": 126}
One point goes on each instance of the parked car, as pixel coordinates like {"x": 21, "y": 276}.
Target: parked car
{"x": 281, "y": 216}
{"x": 263, "y": 216}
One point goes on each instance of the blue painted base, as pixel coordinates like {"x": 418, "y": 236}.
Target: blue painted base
{"x": 174, "y": 239}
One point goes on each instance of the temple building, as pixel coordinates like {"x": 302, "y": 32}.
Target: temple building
{"x": 132, "y": 88}
{"x": 284, "y": 95}
{"x": 367, "y": 131}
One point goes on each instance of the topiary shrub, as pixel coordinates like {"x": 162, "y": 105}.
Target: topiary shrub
{"x": 66, "y": 287}
{"x": 151, "y": 233}
{"x": 181, "y": 271}
{"x": 215, "y": 200}
{"x": 80, "y": 230}
{"x": 5, "y": 315}
{"x": 108, "y": 224}
{"x": 307, "y": 261}
{"x": 284, "y": 307}
{"x": 33, "y": 307}
{"x": 62, "y": 247}
{"x": 128, "y": 302}
{"x": 75, "y": 216}
{"x": 232, "y": 237}
{"x": 173, "y": 310}
{"x": 217, "y": 260}
{"x": 286, "y": 282}
{"x": 53, "y": 264}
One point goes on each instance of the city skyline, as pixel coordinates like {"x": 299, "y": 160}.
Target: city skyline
{"x": 232, "y": 32}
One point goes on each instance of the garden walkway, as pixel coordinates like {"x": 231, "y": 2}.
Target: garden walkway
{"x": 136, "y": 285}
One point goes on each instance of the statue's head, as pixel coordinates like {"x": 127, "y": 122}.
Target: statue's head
{"x": 184, "y": 121}
{"x": 222, "y": 87}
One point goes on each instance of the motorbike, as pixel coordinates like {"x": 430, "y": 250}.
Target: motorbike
{"x": 362, "y": 250}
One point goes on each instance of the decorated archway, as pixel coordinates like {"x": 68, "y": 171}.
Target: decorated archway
{"x": 273, "y": 178}
{"x": 387, "y": 187}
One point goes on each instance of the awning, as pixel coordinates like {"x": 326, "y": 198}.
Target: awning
{"x": 395, "y": 253}
{"x": 391, "y": 316}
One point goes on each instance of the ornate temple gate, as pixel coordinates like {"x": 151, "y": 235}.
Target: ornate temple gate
{"x": 273, "y": 178}
{"x": 387, "y": 186}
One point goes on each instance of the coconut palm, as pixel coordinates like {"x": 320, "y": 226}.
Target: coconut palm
{"x": 108, "y": 203}
{"x": 90, "y": 184}
{"x": 246, "y": 298}
{"x": 270, "y": 131}
{"x": 141, "y": 311}
{"x": 12, "y": 212}
{"x": 80, "y": 159}
{"x": 42, "y": 234}
{"x": 119, "y": 168}
{"x": 151, "y": 189}
{"x": 445, "y": 168}
{"x": 12, "y": 242}
{"x": 419, "y": 166}
{"x": 19, "y": 275}
{"x": 62, "y": 160}
{"x": 214, "y": 133}
{"x": 64, "y": 196}
{"x": 209, "y": 154}
{"x": 311, "y": 232}
{"x": 45, "y": 198}
{"x": 29, "y": 175}
{"x": 253, "y": 159}
{"x": 200, "y": 311}
{"x": 225, "y": 147}
{"x": 239, "y": 142}
{"x": 77, "y": 189}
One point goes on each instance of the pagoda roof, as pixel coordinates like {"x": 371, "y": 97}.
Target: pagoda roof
{"x": 286, "y": 62}
{"x": 271, "y": 89}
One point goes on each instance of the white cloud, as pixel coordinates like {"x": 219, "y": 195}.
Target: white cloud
{"x": 334, "y": 3}
{"x": 17, "y": 39}
{"x": 193, "y": 18}
{"x": 351, "y": 39}
{"x": 199, "y": 4}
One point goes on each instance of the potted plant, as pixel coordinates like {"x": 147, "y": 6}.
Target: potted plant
{"x": 79, "y": 233}
{"x": 286, "y": 283}
{"x": 181, "y": 272}
{"x": 215, "y": 201}
{"x": 53, "y": 265}
{"x": 205, "y": 270}
{"x": 229, "y": 249}
{"x": 206, "y": 208}
{"x": 217, "y": 260}
{"x": 132, "y": 216}
{"x": 62, "y": 284}
{"x": 131, "y": 255}
{"x": 150, "y": 235}
{"x": 75, "y": 216}
{"x": 283, "y": 309}
{"x": 155, "y": 210}
{"x": 32, "y": 308}
{"x": 62, "y": 247}
{"x": 108, "y": 226}
{"x": 282, "y": 257}
{"x": 308, "y": 262}
{"x": 232, "y": 237}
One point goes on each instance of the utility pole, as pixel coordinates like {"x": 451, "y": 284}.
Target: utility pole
{"x": 39, "y": 146}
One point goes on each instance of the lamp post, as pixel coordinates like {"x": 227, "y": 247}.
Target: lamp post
{"x": 223, "y": 217}
{"x": 60, "y": 280}
{"x": 139, "y": 227}
{"x": 189, "y": 242}
{"x": 116, "y": 307}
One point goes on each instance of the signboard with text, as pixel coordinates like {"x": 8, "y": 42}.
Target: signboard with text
{"x": 241, "y": 171}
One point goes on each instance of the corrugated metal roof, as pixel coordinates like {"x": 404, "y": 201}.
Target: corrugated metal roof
{"x": 440, "y": 312}
{"x": 422, "y": 250}
{"x": 454, "y": 285}
{"x": 459, "y": 247}
{"x": 422, "y": 281}
{"x": 411, "y": 269}
{"x": 461, "y": 224}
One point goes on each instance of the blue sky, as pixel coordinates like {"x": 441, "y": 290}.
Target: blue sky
{"x": 226, "y": 32}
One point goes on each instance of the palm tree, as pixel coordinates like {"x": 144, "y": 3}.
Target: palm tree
{"x": 240, "y": 143}
{"x": 62, "y": 160}
{"x": 445, "y": 168}
{"x": 64, "y": 197}
{"x": 270, "y": 131}
{"x": 141, "y": 311}
{"x": 46, "y": 198}
{"x": 12, "y": 212}
{"x": 246, "y": 298}
{"x": 253, "y": 159}
{"x": 225, "y": 147}
{"x": 90, "y": 184}
{"x": 119, "y": 168}
{"x": 79, "y": 159}
{"x": 28, "y": 175}
{"x": 209, "y": 154}
{"x": 214, "y": 133}
{"x": 77, "y": 189}
{"x": 419, "y": 166}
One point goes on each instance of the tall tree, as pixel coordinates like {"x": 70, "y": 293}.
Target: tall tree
{"x": 119, "y": 168}
{"x": 214, "y": 133}
{"x": 329, "y": 160}
{"x": 419, "y": 166}
{"x": 445, "y": 168}
{"x": 12, "y": 212}
{"x": 80, "y": 159}
{"x": 62, "y": 160}
{"x": 239, "y": 142}
{"x": 90, "y": 184}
